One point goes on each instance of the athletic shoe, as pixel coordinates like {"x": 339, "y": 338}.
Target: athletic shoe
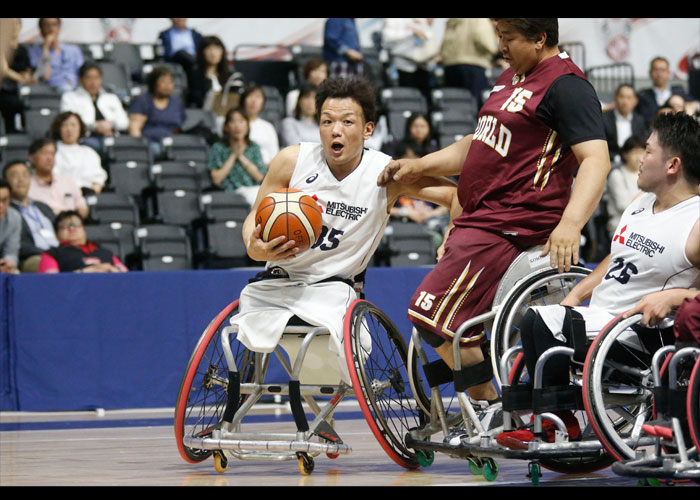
{"x": 490, "y": 416}
{"x": 520, "y": 439}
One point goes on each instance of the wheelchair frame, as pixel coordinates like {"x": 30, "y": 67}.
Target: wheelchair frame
{"x": 672, "y": 457}
{"x": 241, "y": 385}
{"x": 479, "y": 446}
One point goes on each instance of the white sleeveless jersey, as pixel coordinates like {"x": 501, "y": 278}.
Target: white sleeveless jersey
{"x": 354, "y": 216}
{"x": 647, "y": 254}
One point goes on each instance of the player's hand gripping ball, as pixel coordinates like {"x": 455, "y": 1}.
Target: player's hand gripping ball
{"x": 291, "y": 213}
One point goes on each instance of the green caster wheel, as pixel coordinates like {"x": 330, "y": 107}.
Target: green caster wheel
{"x": 534, "y": 473}
{"x": 425, "y": 458}
{"x": 476, "y": 467}
{"x": 490, "y": 469}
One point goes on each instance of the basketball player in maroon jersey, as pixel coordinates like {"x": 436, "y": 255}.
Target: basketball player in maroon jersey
{"x": 540, "y": 127}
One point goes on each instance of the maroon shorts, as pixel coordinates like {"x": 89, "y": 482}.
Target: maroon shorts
{"x": 686, "y": 324}
{"x": 463, "y": 284}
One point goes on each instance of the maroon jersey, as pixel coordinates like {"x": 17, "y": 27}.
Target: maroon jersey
{"x": 517, "y": 177}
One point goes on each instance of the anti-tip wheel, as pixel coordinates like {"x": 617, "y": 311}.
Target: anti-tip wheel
{"x": 220, "y": 462}
{"x": 306, "y": 464}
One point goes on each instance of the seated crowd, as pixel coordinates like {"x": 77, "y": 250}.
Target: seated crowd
{"x": 62, "y": 175}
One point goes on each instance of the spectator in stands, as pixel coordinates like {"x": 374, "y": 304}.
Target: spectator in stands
{"x": 341, "y": 47}
{"x": 236, "y": 164}
{"x": 75, "y": 253}
{"x": 302, "y": 126}
{"x": 38, "y": 233}
{"x": 211, "y": 71}
{"x": 622, "y": 181}
{"x": 58, "y": 191}
{"x": 102, "y": 112}
{"x": 679, "y": 104}
{"x": 10, "y": 230}
{"x": 261, "y": 131}
{"x": 77, "y": 161}
{"x": 17, "y": 72}
{"x": 54, "y": 62}
{"x": 411, "y": 43}
{"x": 180, "y": 44}
{"x": 651, "y": 99}
{"x": 314, "y": 73}
{"x": 469, "y": 46}
{"x": 157, "y": 113}
{"x": 418, "y": 135}
{"x": 623, "y": 121}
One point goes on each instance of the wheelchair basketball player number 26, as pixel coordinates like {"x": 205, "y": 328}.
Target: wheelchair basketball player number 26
{"x": 328, "y": 240}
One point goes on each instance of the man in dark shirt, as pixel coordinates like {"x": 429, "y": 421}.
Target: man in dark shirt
{"x": 540, "y": 126}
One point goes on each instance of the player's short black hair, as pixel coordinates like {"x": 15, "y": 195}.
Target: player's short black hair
{"x": 357, "y": 88}
{"x": 679, "y": 135}
{"x": 530, "y": 27}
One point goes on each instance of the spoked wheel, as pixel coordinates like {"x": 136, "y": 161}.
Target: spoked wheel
{"x": 202, "y": 398}
{"x": 377, "y": 358}
{"x": 544, "y": 288}
{"x": 565, "y": 465}
{"x": 618, "y": 383}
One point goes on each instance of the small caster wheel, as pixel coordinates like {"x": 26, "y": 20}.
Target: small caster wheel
{"x": 490, "y": 469}
{"x": 534, "y": 473}
{"x": 425, "y": 458}
{"x": 306, "y": 464}
{"x": 333, "y": 455}
{"x": 220, "y": 462}
{"x": 476, "y": 467}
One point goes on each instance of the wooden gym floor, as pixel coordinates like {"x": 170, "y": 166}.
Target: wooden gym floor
{"x": 137, "y": 448}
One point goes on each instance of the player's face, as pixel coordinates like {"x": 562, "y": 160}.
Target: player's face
{"x": 343, "y": 132}
{"x": 519, "y": 52}
{"x": 652, "y": 166}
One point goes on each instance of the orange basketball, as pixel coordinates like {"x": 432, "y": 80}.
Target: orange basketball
{"x": 292, "y": 213}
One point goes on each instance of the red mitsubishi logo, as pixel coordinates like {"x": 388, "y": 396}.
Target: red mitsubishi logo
{"x": 619, "y": 236}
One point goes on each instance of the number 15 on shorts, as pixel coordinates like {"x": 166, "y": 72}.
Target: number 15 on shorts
{"x": 425, "y": 301}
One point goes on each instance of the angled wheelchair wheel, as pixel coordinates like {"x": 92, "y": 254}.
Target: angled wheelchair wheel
{"x": 693, "y": 404}
{"x": 202, "y": 397}
{"x": 377, "y": 358}
{"x": 618, "y": 383}
{"x": 547, "y": 287}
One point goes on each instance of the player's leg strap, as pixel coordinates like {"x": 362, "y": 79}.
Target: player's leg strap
{"x": 470, "y": 376}
{"x": 576, "y": 326}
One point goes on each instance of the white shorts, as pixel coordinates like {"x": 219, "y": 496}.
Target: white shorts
{"x": 265, "y": 308}
{"x": 595, "y": 320}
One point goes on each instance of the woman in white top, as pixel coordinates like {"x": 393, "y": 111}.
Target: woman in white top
{"x": 81, "y": 163}
{"x": 303, "y": 126}
{"x": 262, "y": 131}
{"x": 622, "y": 181}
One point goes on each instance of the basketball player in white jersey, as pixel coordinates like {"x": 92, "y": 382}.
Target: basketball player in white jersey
{"x": 653, "y": 266}
{"x": 317, "y": 285}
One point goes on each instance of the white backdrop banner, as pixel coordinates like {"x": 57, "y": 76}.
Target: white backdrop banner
{"x": 606, "y": 40}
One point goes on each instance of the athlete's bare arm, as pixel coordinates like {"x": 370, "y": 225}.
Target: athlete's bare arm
{"x": 445, "y": 162}
{"x": 278, "y": 176}
{"x": 594, "y": 166}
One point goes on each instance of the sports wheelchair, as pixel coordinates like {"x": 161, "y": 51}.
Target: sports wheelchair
{"x": 224, "y": 380}
{"x": 665, "y": 447}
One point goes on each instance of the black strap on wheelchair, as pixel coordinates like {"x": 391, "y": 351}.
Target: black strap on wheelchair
{"x": 470, "y": 376}
{"x": 516, "y": 397}
{"x": 233, "y": 396}
{"x": 437, "y": 373}
{"x": 577, "y": 334}
{"x": 296, "y": 407}
{"x": 278, "y": 273}
{"x": 548, "y": 399}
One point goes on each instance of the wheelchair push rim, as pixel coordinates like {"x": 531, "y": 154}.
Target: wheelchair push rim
{"x": 380, "y": 379}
